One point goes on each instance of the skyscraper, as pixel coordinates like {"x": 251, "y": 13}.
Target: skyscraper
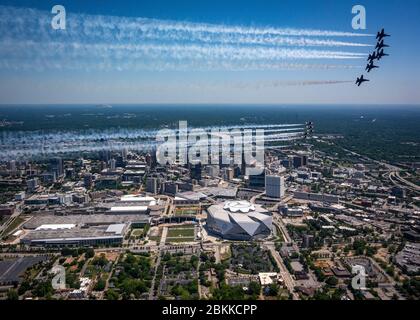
{"x": 195, "y": 171}
{"x": 152, "y": 185}
{"x": 32, "y": 184}
{"x": 112, "y": 164}
{"x": 257, "y": 180}
{"x": 12, "y": 166}
{"x": 228, "y": 174}
{"x": 56, "y": 165}
{"x": 274, "y": 186}
{"x": 88, "y": 180}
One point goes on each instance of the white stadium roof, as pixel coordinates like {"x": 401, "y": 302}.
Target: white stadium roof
{"x": 239, "y": 220}
{"x": 239, "y": 206}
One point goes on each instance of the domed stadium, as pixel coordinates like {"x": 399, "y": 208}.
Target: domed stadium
{"x": 239, "y": 220}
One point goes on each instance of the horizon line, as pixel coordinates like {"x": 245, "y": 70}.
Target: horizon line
{"x": 204, "y": 104}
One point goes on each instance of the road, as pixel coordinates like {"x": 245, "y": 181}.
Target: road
{"x": 277, "y": 221}
{"x": 393, "y": 174}
{"x": 217, "y": 254}
{"x": 395, "y": 177}
{"x": 252, "y": 200}
{"x": 286, "y": 276}
{"x": 158, "y": 252}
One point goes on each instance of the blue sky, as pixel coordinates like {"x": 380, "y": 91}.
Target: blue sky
{"x": 206, "y": 52}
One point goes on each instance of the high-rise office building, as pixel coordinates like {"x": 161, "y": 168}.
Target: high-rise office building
{"x": 120, "y": 162}
{"x": 170, "y": 188}
{"x": 213, "y": 171}
{"x": 287, "y": 163}
{"x": 12, "y": 166}
{"x": 195, "y": 171}
{"x": 32, "y": 184}
{"x": 308, "y": 241}
{"x": 300, "y": 160}
{"x": 297, "y": 161}
{"x": 274, "y": 186}
{"x": 257, "y": 180}
{"x": 88, "y": 180}
{"x": 124, "y": 154}
{"x": 227, "y": 174}
{"x": 148, "y": 159}
{"x": 56, "y": 165}
{"x": 152, "y": 185}
{"x": 112, "y": 164}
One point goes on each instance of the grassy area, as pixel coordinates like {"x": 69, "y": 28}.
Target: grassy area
{"x": 136, "y": 232}
{"x": 155, "y": 236}
{"x": 186, "y": 211}
{"x": 279, "y": 234}
{"x": 13, "y": 225}
{"x": 181, "y": 232}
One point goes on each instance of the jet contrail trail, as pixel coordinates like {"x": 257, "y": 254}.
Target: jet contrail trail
{"x": 126, "y": 28}
{"x": 286, "y": 83}
{"x": 121, "y": 43}
{"x": 174, "y": 51}
{"x": 306, "y": 82}
{"x": 26, "y": 144}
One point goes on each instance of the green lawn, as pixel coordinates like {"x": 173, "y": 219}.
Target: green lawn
{"x": 181, "y": 232}
{"x": 136, "y": 232}
{"x": 280, "y": 237}
{"x": 181, "y": 211}
{"x": 13, "y": 225}
{"x": 156, "y": 237}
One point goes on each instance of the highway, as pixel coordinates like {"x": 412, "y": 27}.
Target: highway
{"x": 394, "y": 173}
{"x": 395, "y": 178}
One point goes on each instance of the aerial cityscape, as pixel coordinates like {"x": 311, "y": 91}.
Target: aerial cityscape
{"x": 204, "y": 184}
{"x": 123, "y": 226}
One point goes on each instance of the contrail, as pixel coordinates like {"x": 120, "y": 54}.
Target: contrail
{"x": 28, "y": 144}
{"x": 126, "y": 28}
{"x": 305, "y": 83}
{"x": 176, "y": 51}
{"x": 120, "y": 43}
{"x": 44, "y": 63}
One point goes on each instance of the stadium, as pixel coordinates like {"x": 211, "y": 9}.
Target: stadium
{"x": 239, "y": 220}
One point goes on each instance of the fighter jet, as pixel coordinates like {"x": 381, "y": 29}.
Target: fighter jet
{"x": 380, "y": 54}
{"x": 381, "y": 45}
{"x": 370, "y": 66}
{"x": 381, "y": 34}
{"x": 372, "y": 56}
{"x": 360, "y": 80}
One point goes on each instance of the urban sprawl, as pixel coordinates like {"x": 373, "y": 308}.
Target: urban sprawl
{"x": 123, "y": 226}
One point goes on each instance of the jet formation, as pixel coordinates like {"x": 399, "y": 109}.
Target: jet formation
{"x": 377, "y": 55}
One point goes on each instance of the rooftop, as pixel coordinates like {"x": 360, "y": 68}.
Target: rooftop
{"x": 129, "y": 209}
{"x": 239, "y": 206}
{"x": 55, "y": 226}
